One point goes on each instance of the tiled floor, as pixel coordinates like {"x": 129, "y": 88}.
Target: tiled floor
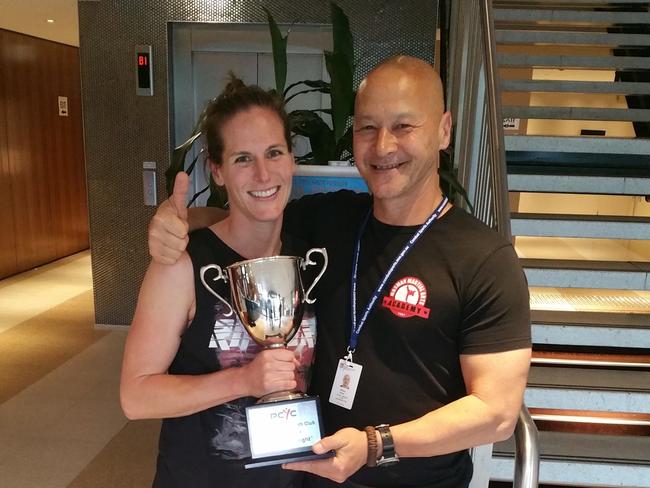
{"x": 59, "y": 402}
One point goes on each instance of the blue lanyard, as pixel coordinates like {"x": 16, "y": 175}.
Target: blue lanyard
{"x": 357, "y": 326}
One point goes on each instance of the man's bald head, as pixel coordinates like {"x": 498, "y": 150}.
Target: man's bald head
{"x": 399, "y": 129}
{"x": 405, "y": 72}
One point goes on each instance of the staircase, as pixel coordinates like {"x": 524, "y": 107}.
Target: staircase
{"x": 581, "y": 221}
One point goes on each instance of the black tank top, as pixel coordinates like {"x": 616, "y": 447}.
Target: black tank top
{"x": 209, "y": 448}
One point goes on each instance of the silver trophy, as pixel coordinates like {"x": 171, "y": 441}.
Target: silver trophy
{"x": 269, "y": 298}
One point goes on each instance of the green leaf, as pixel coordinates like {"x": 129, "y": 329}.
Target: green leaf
{"x": 305, "y": 91}
{"x": 449, "y": 183}
{"x": 198, "y": 194}
{"x": 179, "y": 154}
{"x": 218, "y": 195}
{"x": 177, "y": 163}
{"x": 341, "y": 34}
{"x": 309, "y": 124}
{"x": 342, "y": 94}
{"x": 345, "y": 145}
{"x": 323, "y": 85}
{"x": 190, "y": 168}
{"x": 279, "y": 46}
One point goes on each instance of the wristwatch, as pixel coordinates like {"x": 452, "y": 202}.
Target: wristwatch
{"x": 388, "y": 455}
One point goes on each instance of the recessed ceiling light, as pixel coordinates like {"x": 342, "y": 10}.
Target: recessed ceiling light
{"x": 50, "y": 21}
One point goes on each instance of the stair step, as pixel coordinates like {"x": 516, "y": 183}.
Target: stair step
{"x": 594, "y": 226}
{"x": 604, "y": 319}
{"x": 582, "y": 460}
{"x": 564, "y": 3}
{"x": 577, "y": 113}
{"x": 591, "y": 422}
{"x": 589, "y": 145}
{"x": 523, "y": 36}
{"x": 567, "y": 273}
{"x": 591, "y": 360}
{"x": 604, "y": 185}
{"x": 594, "y": 156}
{"x": 553, "y": 386}
{"x": 567, "y": 16}
{"x": 619, "y": 87}
{"x": 585, "y": 447}
{"x": 588, "y": 388}
{"x": 566, "y": 61}
{"x": 596, "y": 329}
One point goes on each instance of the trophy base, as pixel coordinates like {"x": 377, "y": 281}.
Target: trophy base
{"x": 281, "y": 396}
{"x": 284, "y": 432}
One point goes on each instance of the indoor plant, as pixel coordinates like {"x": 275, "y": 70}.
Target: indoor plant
{"x": 327, "y": 143}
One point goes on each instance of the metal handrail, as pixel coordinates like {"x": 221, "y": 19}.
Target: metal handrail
{"x": 480, "y": 159}
{"x": 498, "y": 168}
{"x": 526, "y": 451}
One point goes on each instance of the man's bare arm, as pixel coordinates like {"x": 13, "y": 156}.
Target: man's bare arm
{"x": 495, "y": 386}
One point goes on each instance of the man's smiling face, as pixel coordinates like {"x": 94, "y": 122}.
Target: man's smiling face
{"x": 399, "y": 129}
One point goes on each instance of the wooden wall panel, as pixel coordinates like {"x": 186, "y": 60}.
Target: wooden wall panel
{"x": 45, "y": 150}
{"x": 8, "y": 263}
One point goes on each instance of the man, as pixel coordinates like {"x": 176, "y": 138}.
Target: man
{"x": 424, "y": 307}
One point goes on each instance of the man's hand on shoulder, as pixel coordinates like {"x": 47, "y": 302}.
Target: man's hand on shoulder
{"x": 169, "y": 227}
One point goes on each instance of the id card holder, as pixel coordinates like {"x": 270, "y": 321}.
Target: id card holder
{"x": 346, "y": 381}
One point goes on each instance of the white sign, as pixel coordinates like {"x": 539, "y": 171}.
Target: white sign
{"x": 63, "y": 106}
{"x": 510, "y": 123}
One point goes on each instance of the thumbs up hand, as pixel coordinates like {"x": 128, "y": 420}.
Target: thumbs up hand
{"x": 169, "y": 227}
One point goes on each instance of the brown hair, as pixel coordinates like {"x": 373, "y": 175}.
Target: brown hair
{"x": 237, "y": 97}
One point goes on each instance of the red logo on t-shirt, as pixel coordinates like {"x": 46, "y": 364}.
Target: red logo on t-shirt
{"x": 407, "y": 298}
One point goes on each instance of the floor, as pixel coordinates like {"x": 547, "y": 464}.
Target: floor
{"x": 60, "y": 420}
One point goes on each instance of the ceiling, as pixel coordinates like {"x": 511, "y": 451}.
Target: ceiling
{"x": 30, "y": 17}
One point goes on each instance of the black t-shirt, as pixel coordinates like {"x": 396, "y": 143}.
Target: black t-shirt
{"x": 460, "y": 290}
{"x": 209, "y": 448}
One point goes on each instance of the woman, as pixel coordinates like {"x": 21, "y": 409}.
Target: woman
{"x": 187, "y": 362}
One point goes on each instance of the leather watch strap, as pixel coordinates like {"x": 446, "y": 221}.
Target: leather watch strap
{"x": 388, "y": 455}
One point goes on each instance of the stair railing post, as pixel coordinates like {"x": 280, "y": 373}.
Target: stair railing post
{"x": 526, "y": 452}
{"x": 495, "y": 124}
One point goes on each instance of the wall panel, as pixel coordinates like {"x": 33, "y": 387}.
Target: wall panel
{"x": 7, "y": 232}
{"x": 44, "y": 152}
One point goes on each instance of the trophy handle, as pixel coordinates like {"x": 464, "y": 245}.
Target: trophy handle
{"x": 220, "y": 276}
{"x": 308, "y": 262}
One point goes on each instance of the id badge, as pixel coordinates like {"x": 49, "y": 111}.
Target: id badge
{"x": 345, "y": 384}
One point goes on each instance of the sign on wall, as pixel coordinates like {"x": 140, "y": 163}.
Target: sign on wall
{"x": 63, "y": 106}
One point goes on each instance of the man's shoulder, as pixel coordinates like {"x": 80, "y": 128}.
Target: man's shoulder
{"x": 467, "y": 243}
{"x": 312, "y": 217}
{"x": 470, "y": 229}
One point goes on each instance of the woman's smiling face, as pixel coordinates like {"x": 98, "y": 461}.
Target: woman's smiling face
{"x": 257, "y": 165}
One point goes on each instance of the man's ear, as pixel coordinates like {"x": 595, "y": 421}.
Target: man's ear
{"x": 444, "y": 131}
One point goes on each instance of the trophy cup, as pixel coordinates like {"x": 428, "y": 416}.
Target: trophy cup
{"x": 269, "y": 299}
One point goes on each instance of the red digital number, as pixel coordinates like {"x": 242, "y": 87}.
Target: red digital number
{"x": 142, "y": 60}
